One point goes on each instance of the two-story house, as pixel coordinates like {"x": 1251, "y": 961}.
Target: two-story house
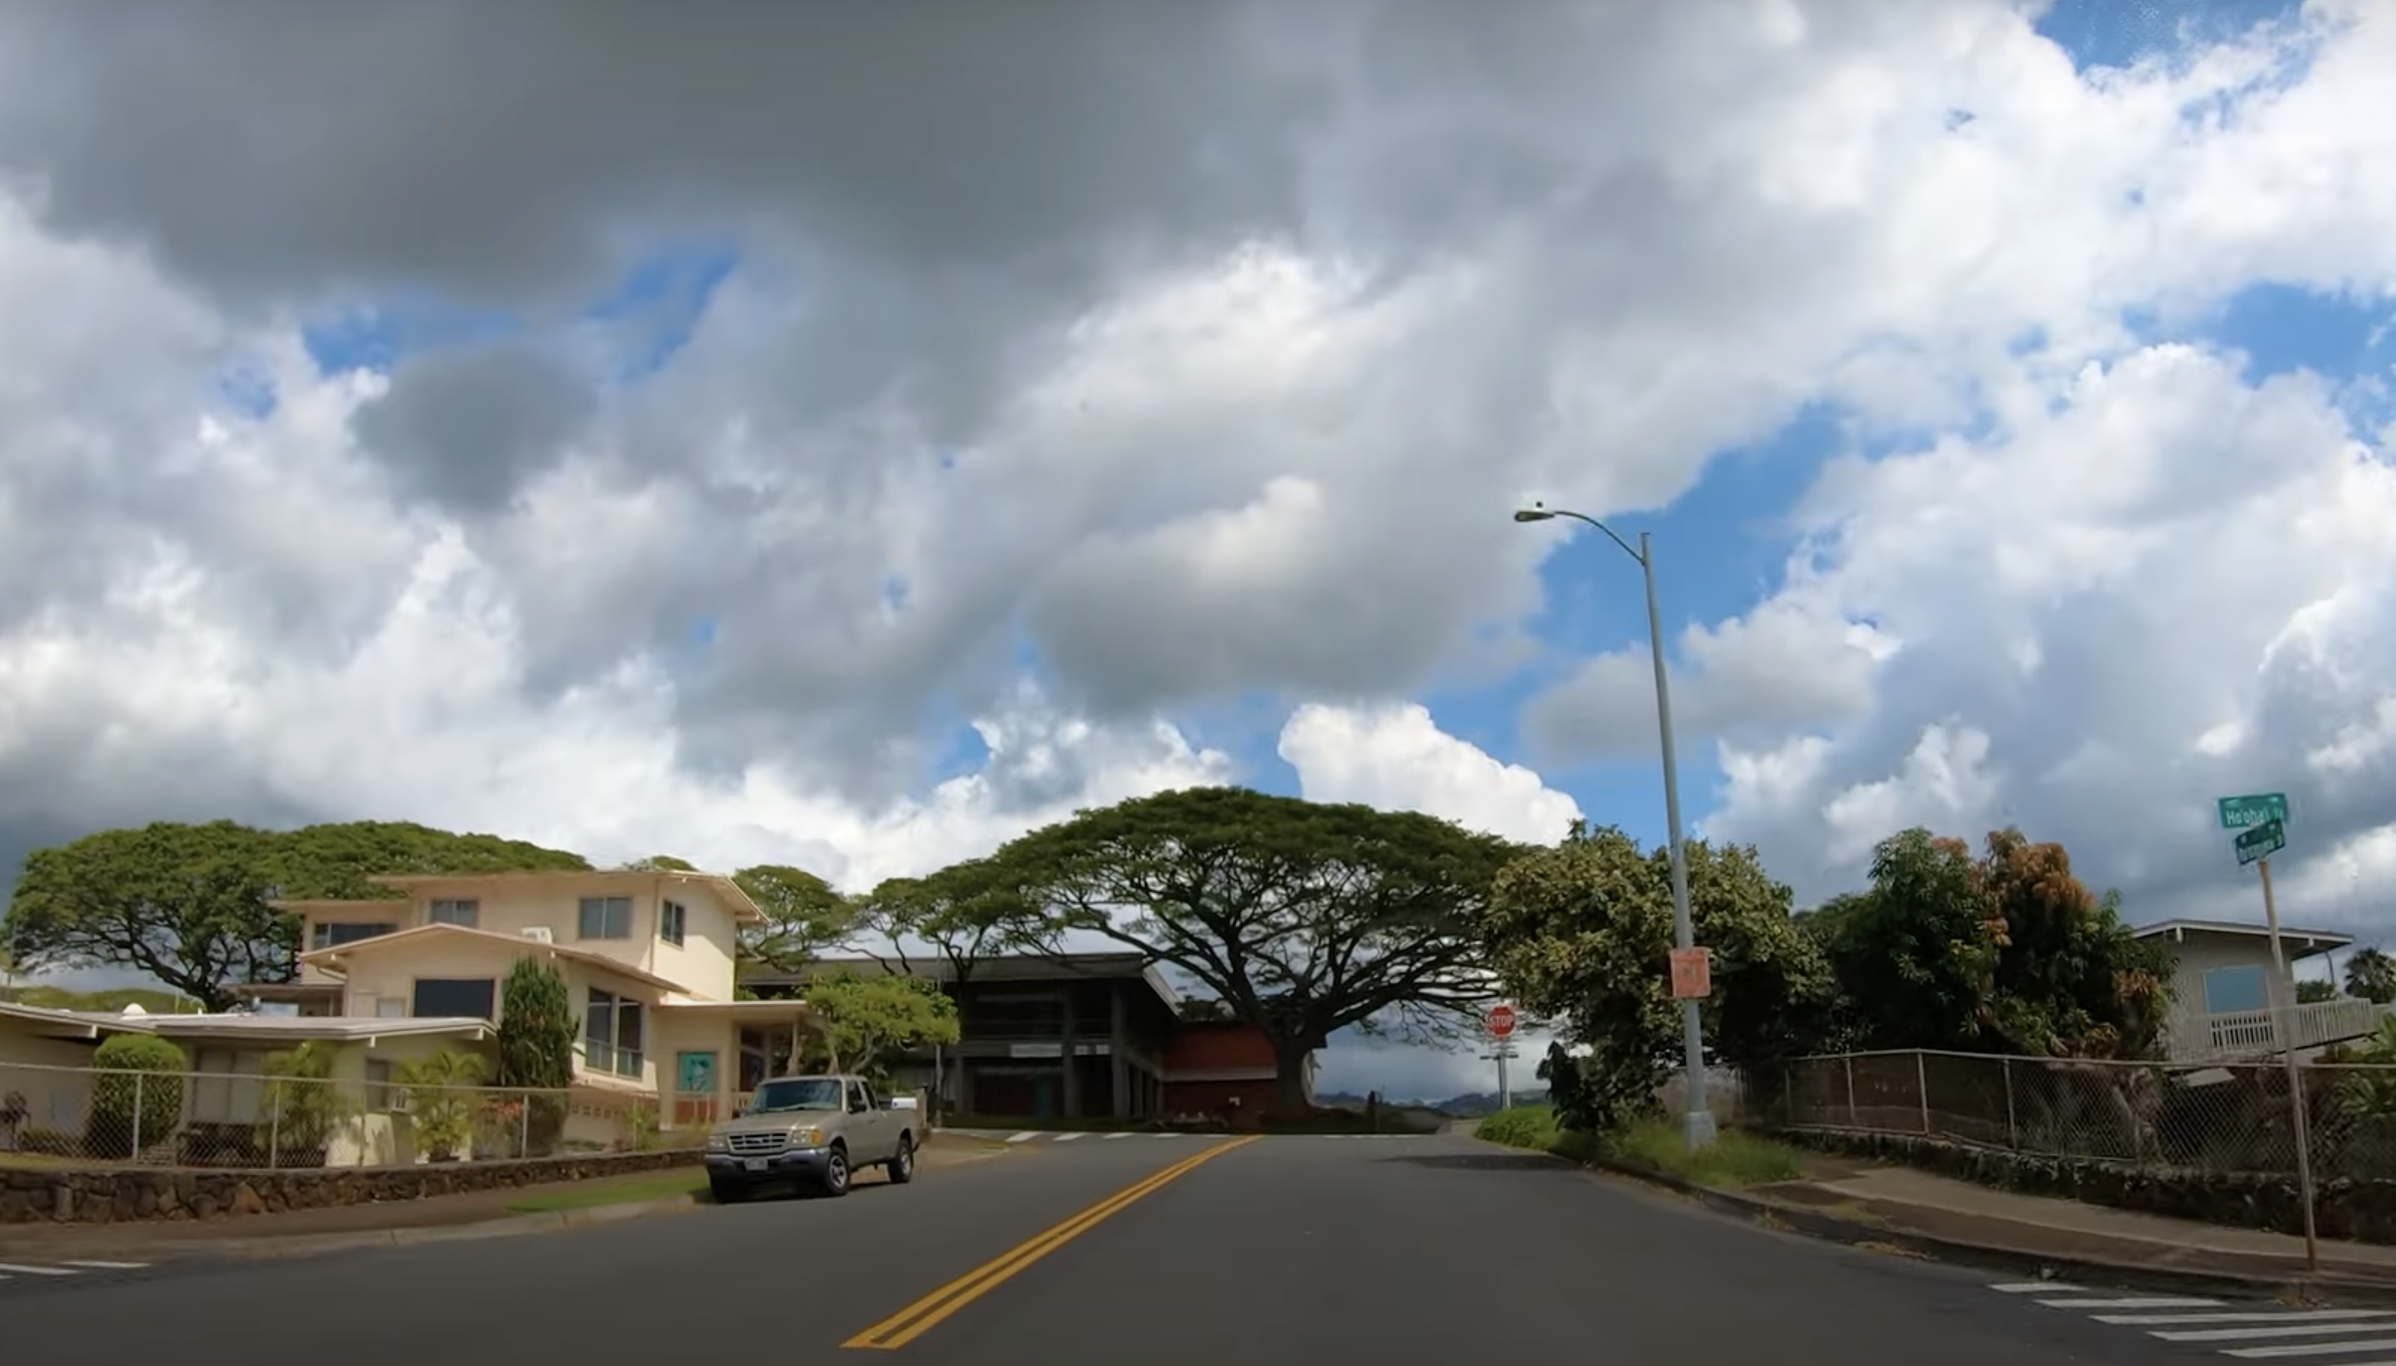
{"x": 647, "y": 959}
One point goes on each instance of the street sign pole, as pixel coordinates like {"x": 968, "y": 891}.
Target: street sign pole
{"x": 2299, "y": 1121}
{"x": 1500, "y": 1025}
{"x": 2261, "y": 820}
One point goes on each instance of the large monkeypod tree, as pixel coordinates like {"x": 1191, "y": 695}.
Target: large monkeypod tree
{"x": 1304, "y": 918}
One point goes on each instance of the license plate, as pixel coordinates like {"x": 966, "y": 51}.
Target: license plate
{"x": 755, "y": 1164}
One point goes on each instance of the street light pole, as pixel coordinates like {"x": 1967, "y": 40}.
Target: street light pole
{"x": 1697, "y": 1123}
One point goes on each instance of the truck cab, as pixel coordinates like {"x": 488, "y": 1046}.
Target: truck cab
{"x": 816, "y": 1131}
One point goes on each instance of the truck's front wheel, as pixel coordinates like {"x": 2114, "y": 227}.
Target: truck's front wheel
{"x": 727, "y": 1192}
{"x": 836, "y": 1171}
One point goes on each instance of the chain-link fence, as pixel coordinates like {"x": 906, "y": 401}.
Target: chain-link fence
{"x": 2215, "y": 1117}
{"x": 222, "y": 1119}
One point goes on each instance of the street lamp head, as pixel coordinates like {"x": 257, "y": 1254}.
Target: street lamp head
{"x": 1536, "y": 512}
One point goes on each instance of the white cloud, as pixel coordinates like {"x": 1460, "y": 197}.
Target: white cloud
{"x": 1210, "y": 374}
{"x": 2193, "y": 571}
{"x": 1398, "y": 759}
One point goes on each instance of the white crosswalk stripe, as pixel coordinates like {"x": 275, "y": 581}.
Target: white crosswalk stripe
{"x": 2244, "y": 1332}
{"x": 49, "y": 1270}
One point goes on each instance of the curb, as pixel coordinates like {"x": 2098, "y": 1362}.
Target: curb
{"x": 2028, "y": 1264}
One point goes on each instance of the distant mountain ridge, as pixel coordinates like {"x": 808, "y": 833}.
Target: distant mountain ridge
{"x": 1470, "y": 1106}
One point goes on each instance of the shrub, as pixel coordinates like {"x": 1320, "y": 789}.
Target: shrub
{"x": 1524, "y": 1126}
{"x": 536, "y": 1051}
{"x": 48, "y": 1142}
{"x": 138, "y": 1071}
{"x": 442, "y": 1101}
{"x": 306, "y": 1106}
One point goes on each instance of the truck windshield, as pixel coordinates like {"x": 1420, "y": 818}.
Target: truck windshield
{"x": 796, "y": 1093}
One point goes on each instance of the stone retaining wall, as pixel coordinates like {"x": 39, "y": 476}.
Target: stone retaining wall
{"x": 2363, "y": 1211}
{"x": 115, "y": 1195}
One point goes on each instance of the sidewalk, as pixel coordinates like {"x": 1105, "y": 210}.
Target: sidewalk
{"x": 1905, "y": 1201}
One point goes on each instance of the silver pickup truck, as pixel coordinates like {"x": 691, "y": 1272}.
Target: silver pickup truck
{"x": 817, "y": 1131}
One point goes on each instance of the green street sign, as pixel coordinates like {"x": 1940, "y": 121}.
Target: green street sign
{"x": 2239, "y": 813}
{"x": 2260, "y": 841}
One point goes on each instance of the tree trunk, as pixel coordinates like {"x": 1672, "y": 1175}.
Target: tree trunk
{"x": 1289, "y": 1079}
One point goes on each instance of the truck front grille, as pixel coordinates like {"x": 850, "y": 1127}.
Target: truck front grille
{"x": 759, "y": 1145}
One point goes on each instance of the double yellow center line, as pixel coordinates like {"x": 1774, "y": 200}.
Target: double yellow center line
{"x": 925, "y": 1314}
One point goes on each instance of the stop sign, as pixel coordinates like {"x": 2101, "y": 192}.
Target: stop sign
{"x": 1501, "y": 1021}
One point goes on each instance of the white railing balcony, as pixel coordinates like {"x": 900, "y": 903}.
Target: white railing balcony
{"x": 2251, "y": 1033}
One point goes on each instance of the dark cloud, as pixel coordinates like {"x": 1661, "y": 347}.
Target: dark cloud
{"x": 467, "y": 428}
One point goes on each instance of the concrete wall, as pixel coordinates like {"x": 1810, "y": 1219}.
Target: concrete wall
{"x": 38, "y": 1069}
{"x": 117, "y": 1196}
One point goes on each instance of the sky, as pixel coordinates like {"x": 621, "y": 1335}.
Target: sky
{"x": 834, "y": 437}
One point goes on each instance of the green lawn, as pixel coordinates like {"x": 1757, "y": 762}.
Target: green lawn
{"x": 1735, "y": 1158}
{"x": 663, "y": 1185}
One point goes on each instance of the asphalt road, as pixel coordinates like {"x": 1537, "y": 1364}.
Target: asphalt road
{"x": 1296, "y": 1250}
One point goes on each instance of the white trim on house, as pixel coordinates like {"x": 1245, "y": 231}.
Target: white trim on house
{"x": 303, "y": 1028}
{"x": 2297, "y": 943}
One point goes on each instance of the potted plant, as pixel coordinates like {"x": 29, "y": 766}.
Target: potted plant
{"x": 442, "y": 1091}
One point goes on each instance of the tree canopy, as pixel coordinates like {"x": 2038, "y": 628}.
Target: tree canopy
{"x": 2371, "y": 975}
{"x": 187, "y": 904}
{"x": 804, "y": 916}
{"x": 1305, "y": 918}
{"x": 863, "y": 1021}
{"x": 963, "y": 915}
{"x": 2007, "y": 953}
{"x": 1580, "y": 933}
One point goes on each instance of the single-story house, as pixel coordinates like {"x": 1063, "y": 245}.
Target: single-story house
{"x": 2225, "y": 987}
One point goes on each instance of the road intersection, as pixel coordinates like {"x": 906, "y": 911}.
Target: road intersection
{"x": 1208, "y": 1249}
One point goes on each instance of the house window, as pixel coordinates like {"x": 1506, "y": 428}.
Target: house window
{"x": 329, "y": 934}
{"x": 672, "y": 920}
{"x": 454, "y": 998}
{"x": 466, "y": 914}
{"x": 606, "y": 917}
{"x": 2229, "y": 990}
{"x": 612, "y": 1034}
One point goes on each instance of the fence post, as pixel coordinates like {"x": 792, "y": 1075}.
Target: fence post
{"x": 1788, "y": 1093}
{"x": 1852, "y": 1121}
{"x": 1921, "y": 1082}
{"x": 2013, "y": 1137}
{"x": 135, "y": 1153}
{"x": 524, "y": 1125}
{"x": 274, "y": 1122}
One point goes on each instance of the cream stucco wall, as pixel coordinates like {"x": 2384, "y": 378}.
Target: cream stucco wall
{"x": 702, "y": 964}
{"x": 388, "y": 973}
{"x": 2195, "y": 954}
{"x": 376, "y": 1130}
{"x": 47, "y": 1073}
{"x": 703, "y": 961}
